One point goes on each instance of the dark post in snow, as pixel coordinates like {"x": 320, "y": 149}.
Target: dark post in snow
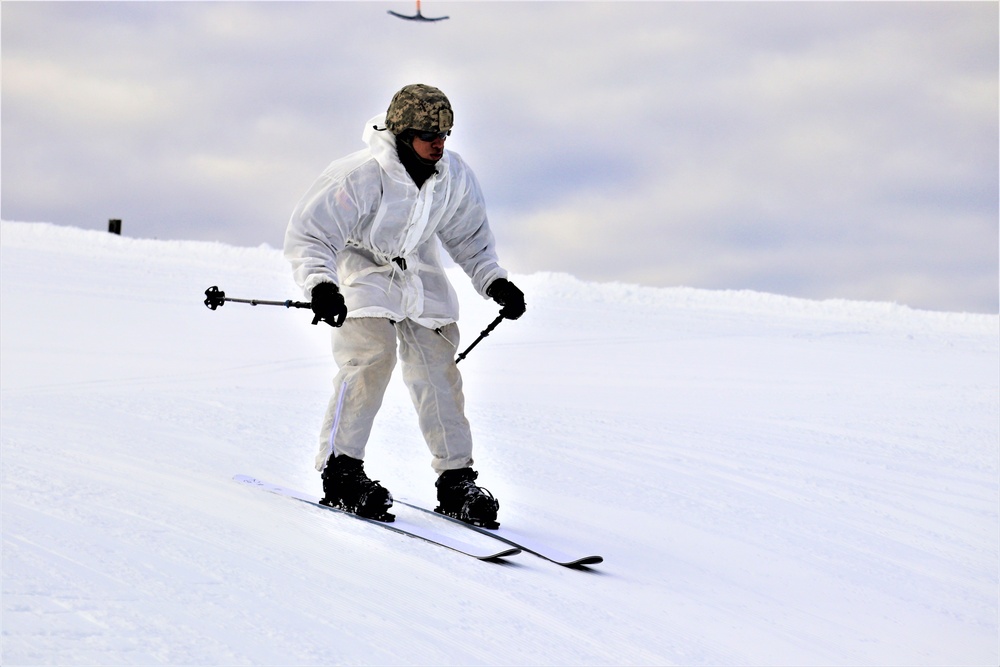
{"x": 115, "y": 226}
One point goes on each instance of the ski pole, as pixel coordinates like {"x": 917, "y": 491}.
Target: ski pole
{"x": 215, "y": 298}
{"x": 484, "y": 334}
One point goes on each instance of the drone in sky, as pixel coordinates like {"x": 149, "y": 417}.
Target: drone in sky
{"x": 418, "y": 16}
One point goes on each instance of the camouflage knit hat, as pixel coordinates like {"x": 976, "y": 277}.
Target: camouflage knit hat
{"x": 420, "y": 107}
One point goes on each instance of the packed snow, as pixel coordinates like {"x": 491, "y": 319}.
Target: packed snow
{"x": 771, "y": 481}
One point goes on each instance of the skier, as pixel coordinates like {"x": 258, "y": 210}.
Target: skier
{"x": 363, "y": 244}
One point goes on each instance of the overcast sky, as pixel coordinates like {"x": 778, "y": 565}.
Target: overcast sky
{"x": 822, "y": 150}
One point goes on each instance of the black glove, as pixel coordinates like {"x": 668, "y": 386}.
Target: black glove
{"x": 507, "y": 295}
{"x": 328, "y": 305}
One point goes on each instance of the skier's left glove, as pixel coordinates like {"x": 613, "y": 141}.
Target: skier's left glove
{"x": 509, "y": 296}
{"x": 328, "y": 305}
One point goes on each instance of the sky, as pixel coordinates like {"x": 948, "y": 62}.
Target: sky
{"x": 842, "y": 150}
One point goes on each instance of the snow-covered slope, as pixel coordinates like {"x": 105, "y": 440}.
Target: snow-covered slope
{"x": 770, "y": 480}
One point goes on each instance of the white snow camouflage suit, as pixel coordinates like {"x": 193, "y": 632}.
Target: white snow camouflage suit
{"x": 365, "y": 226}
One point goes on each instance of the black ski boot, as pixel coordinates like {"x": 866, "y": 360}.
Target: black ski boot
{"x": 347, "y": 487}
{"x": 460, "y": 498}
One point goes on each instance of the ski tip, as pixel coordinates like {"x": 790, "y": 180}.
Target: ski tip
{"x": 247, "y": 479}
{"x": 586, "y": 560}
{"x": 513, "y": 551}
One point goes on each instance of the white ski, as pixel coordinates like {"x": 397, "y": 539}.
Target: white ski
{"x": 400, "y": 525}
{"x": 518, "y": 540}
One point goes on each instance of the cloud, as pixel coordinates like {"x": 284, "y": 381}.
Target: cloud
{"x": 814, "y": 149}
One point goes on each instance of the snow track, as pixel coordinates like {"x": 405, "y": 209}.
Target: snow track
{"x": 771, "y": 481}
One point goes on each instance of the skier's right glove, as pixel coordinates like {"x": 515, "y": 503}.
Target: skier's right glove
{"x": 328, "y": 305}
{"x": 509, "y": 296}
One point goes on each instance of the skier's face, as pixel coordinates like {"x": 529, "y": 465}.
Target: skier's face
{"x": 432, "y": 150}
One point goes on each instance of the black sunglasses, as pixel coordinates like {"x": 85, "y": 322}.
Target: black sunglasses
{"x": 431, "y": 136}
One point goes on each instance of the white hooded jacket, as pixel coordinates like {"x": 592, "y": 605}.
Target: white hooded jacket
{"x": 365, "y": 226}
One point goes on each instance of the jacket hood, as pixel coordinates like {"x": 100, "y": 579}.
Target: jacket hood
{"x": 382, "y": 144}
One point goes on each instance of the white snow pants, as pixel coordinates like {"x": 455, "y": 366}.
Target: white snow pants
{"x": 365, "y": 351}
